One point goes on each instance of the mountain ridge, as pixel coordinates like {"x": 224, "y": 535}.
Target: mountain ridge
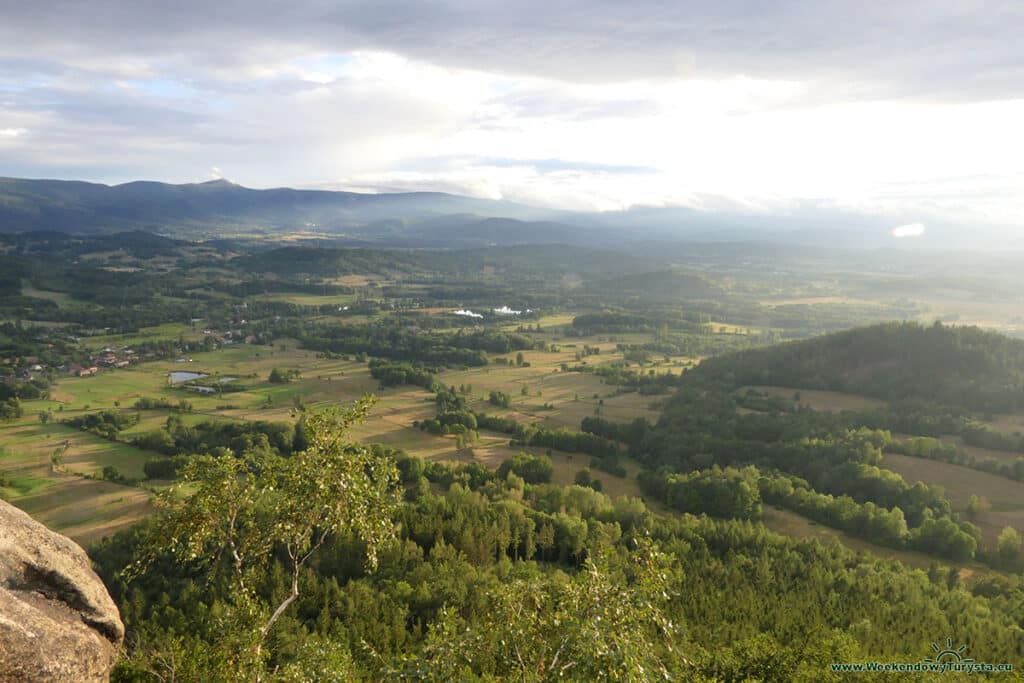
{"x": 219, "y": 208}
{"x": 28, "y": 205}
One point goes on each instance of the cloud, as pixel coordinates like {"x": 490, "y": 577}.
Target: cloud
{"x": 904, "y": 110}
{"x": 925, "y": 48}
{"x": 908, "y": 230}
{"x": 580, "y": 189}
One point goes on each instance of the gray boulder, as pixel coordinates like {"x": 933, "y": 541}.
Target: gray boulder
{"x": 57, "y": 621}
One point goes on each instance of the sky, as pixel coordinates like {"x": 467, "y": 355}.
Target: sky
{"x": 910, "y": 111}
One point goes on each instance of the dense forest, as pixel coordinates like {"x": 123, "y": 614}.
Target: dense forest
{"x": 957, "y": 367}
{"x": 495, "y": 576}
{"x": 707, "y": 594}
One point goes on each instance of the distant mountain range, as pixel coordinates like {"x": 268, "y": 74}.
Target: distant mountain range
{"x": 410, "y": 219}
{"x": 220, "y": 206}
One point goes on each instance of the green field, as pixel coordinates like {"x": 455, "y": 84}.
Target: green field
{"x": 87, "y": 509}
{"x": 65, "y": 496}
{"x": 146, "y": 334}
{"x": 59, "y": 298}
{"x": 72, "y": 499}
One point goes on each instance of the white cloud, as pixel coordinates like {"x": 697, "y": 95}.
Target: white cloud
{"x": 908, "y": 230}
{"x": 743, "y": 106}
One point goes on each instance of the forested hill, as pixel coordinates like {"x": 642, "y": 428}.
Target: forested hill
{"x": 212, "y": 207}
{"x": 959, "y": 367}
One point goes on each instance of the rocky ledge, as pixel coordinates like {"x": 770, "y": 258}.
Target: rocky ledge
{"x": 57, "y": 620}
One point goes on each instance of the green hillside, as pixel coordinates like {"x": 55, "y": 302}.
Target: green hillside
{"x": 959, "y": 367}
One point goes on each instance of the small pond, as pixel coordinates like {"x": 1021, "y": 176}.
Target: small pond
{"x": 179, "y": 376}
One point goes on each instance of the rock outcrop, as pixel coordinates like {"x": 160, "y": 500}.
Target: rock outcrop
{"x": 57, "y": 621}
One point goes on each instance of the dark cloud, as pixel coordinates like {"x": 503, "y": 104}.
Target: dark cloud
{"x": 921, "y": 48}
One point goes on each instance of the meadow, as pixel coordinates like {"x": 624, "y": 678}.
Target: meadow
{"x": 1002, "y": 500}
{"x": 73, "y": 498}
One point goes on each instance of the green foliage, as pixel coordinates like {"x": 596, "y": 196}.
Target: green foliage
{"x": 399, "y": 343}
{"x": 500, "y": 399}
{"x": 887, "y": 527}
{"x": 146, "y": 403}
{"x": 606, "y": 623}
{"x": 945, "y": 538}
{"x": 560, "y": 439}
{"x": 393, "y": 374}
{"x": 111, "y": 473}
{"x": 481, "y": 570}
{"x": 961, "y": 367}
{"x": 11, "y": 409}
{"x": 279, "y": 376}
{"x": 729, "y": 493}
{"x": 815, "y": 464}
{"x": 1009, "y": 544}
{"x": 232, "y": 515}
{"x": 106, "y": 423}
{"x": 177, "y": 438}
{"x": 583, "y": 477}
{"x": 164, "y": 468}
{"x": 534, "y": 469}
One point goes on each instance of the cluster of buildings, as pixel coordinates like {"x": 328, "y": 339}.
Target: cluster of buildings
{"x": 235, "y": 337}
{"x": 27, "y": 368}
{"x": 107, "y": 358}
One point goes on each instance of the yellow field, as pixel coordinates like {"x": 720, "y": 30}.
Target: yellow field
{"x": 1008, "y": 457}
{"x": 61, "y": 497}
{"x": 86, "y": 510}
{"x": 791, "y": 524}
{"x": 1008, "y": 424}
{"x": 308, "y": 299}
{"x": 1003, "y": 498}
